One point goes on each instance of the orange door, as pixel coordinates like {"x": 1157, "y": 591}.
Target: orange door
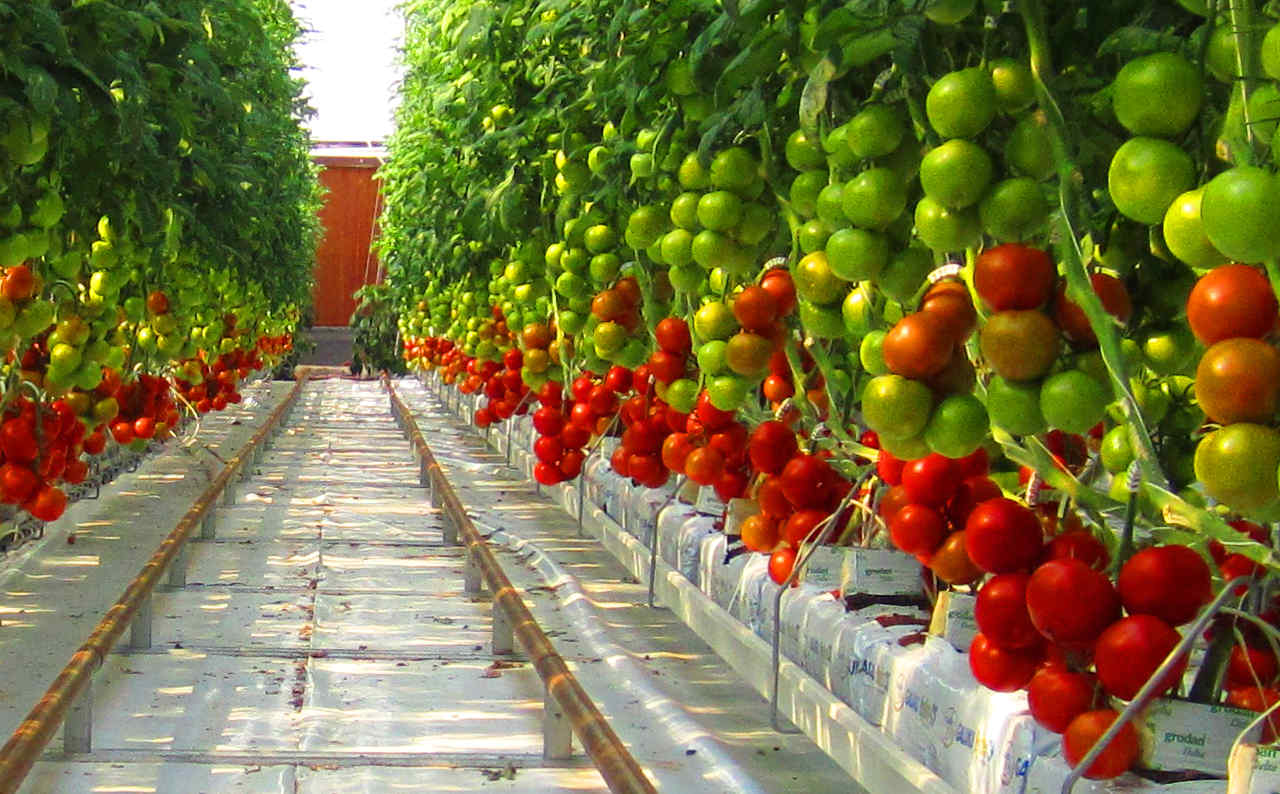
{"x": 344, "y": 262}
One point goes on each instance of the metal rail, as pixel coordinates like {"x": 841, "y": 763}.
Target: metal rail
{"x": 69, "y": 697}
{"x": 567, "y": 705}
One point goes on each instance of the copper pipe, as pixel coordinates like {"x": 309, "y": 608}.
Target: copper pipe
{"x": 619, "y": 769}
{"x": 33, "y": 735}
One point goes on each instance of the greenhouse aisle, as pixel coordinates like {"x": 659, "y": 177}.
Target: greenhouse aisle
{"x": 323, "y": 643}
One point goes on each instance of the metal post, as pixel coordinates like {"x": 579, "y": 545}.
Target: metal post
{"x": 77, "y": 728}
{"x": 557, "y": 736}
{"x": 208, "y": 526}
{"x": 450, "y": 530}
{"x": 653, "y": 559}
{"x": 503, "y": 640}
{"x": 511, "y": 423}
{"x": 471, "y": 580}
{"x": 140, "y": 628}
{"x": 582, "y": 496}
{"x": 178, "y": 569}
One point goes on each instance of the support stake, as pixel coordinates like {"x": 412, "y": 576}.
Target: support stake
{"x": 471, "y": 580}
{"x": 77, "y": 728}
{"x": 178, "y": 569}
{"x": 557, "y": 737}
{"x": 503, "y": 639}
{"x": 208, "y": 526}
{"x": 140, "y": 628}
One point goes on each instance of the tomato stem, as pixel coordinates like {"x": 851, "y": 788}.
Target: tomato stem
{"x": 1078, "y": 284}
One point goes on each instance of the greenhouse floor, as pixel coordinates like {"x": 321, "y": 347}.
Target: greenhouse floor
{"x": 324, "y": 643}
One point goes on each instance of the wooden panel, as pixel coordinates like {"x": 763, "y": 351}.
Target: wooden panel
{"x": 344, "y": 260}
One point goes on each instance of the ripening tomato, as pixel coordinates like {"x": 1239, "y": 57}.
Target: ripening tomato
{"x": 1231, "y": 301}
{"x": 1002, "y": 536}
{"x": 918, "y": 529}
{"x": 1071, "y": 318}
{"x": 777, "y": 388}
{"x": 1130, "y": 650}
{"x": 1238, "y": 380}
{"x": 732, "y": 484}
{"x": 18, "y": 440}
{"x": 755, "y": 308}
{"x": 122, "y": 431}
{"x": 951, "y": 562}
{"x": 918, "y": 346}
{"x": 1057, "y": 696}
{"x": 1001, "y": 612}
{"x": 1000, "y": 669}
{"x": 1171, "y": 582}
{"x": 778, "y": 283}
{"x": 772, "y": 444}
{"x": 930, "y": 480}
{"x": 675, "y": 451}
{"x": 1013, "y": 276}
{"x": 1083, "y": 733}
{"x": 95, "y": 442}
{"x": 1070, "y": 603}
{"x": 704, "y": 465}
{"x": 645, "y": 468}
{"x": 17, "y": 482}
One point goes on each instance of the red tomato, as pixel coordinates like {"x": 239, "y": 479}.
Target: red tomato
{"x": 18, "y": 440}
{"x": 731, "y": 485}
{"x": 548, "y": 449}
{"x": 975, "y": 464}
{"x": 574, "y": 437}
{"x": 1001, "y": 612}
{"x": 618, "y": 379}
{"x": 571, "y": 463}
{"x": 546, "y": 474}
{"x": 1079, "y": 545}
{"x": 773, "y": 502}
{"x": 772, "y": 444}
{"x": 665, "y": 366}
{"x": 645, "y": 468}
{"x": 675, "y": 451}
{"x": 1002, "y": 536}
{"x": 122, "y": 431}
{"x": 755, "y": 308}
{"x": 800, "y": 525}
{"x": 1251, "y": 698}
{"x": 780, "y": 564}
{"x": 1070, "y": 603}
{"x": 999, "y": 669}
{"x": 704, "y": 465}
{"x": 672, "y": 334}
{"x": 1170, "y": 582}
{"x": 969, "y": 494}
{"x": 1057, "y": 696}
{"x": 1085, "y": 730}
{"x": 1231, "y": 301}
{"x": 889, "y": 468}
{"x": 893, "y": 500}
{"x": 620, "y": 461}
{"x": 17, "y": 482}
{"x": 778, "y": 283}
{"x": 1013, "y": 276}
{"x": 1250, "y": 666}
{"x": 918, "y": 529}
{"x": 930, "y": 480}
{"x": 48, "y": 504}
{"x": 712, "y": 418}
{"x": 548, "y": 421}
{"x": 95, "y": 442}
{"x": 1130, "y": 650}
{"x": 806, "y": 481}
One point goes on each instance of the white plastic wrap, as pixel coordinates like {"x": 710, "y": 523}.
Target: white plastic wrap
{"x": 643, "y": 506}
{"x": 795, "y": 603}
{"x": 727, "y": 576}
{"x": 744, "y": 603}
{"x": 711, "y": 558}
{"x": 689, "y": 548}
{"x": 866, "y": 652}
{"x": 670, "y": 520}
{"x": 1048, "y": 772}
{"x": 818, "y": 635}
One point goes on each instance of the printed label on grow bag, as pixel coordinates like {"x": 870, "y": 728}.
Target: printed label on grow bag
{"x": 1177, "y": 734}
{"x": 881, "y": 572}
{"x": 825, "y": 566}
{"x": 953, "y": 619}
